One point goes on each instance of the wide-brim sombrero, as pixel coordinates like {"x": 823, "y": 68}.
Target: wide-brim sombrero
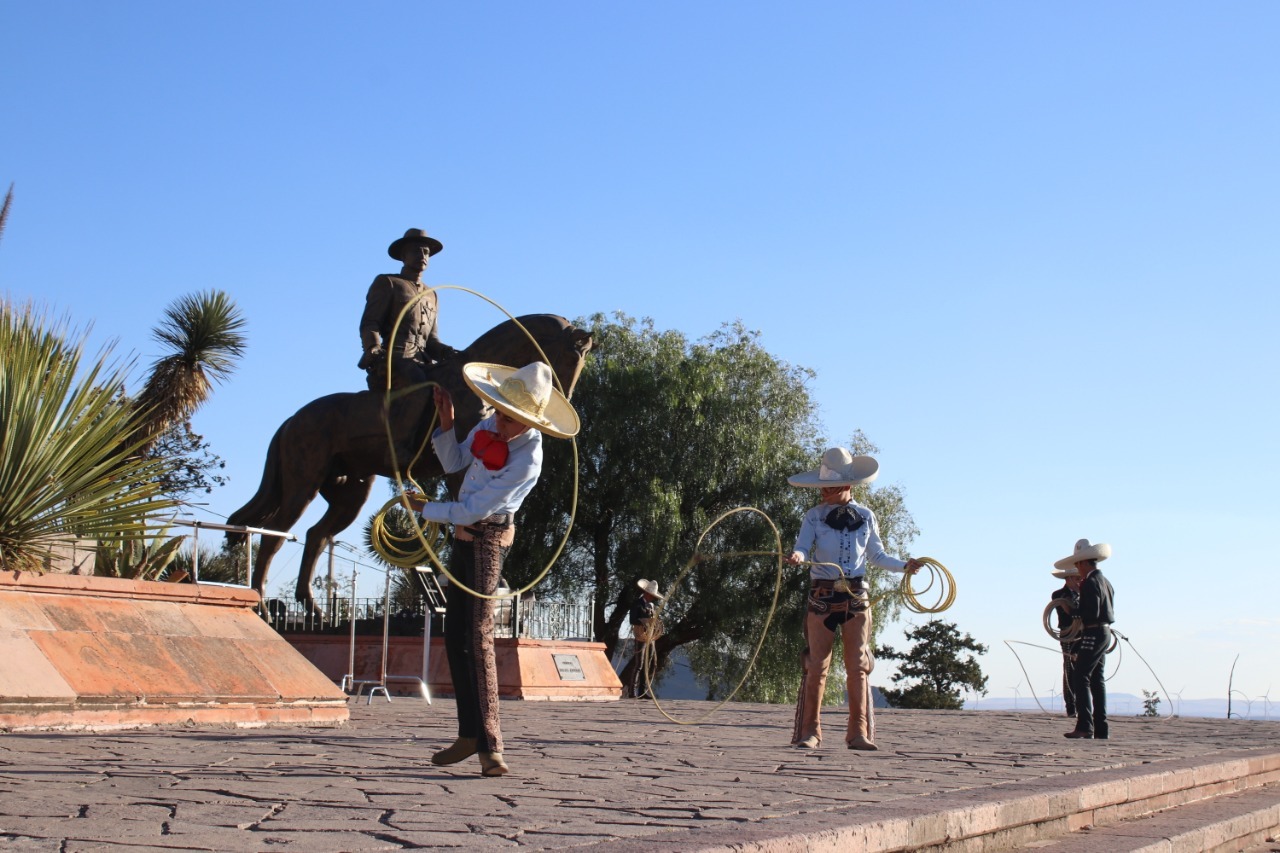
{"x": 527, "y": 394}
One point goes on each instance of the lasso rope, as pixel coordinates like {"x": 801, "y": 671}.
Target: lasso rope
{"x": 648, "y": 654}
{"x": 1116, "y": 636}
{"x": 1067, "y": 634}
{"x": 399, "y": 556}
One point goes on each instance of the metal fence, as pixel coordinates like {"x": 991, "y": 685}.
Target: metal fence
{"x": 536, "y": 620}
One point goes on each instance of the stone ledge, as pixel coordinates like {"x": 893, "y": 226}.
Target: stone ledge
{"x": 89, "y": 652}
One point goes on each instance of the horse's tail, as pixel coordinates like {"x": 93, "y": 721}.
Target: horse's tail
{"x": 266, "y": 501}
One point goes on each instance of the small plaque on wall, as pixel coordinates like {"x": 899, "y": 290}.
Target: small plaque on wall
{"x": 569, "y": 667}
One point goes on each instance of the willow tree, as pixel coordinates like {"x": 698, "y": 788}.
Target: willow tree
{"x": 675, "y": 435}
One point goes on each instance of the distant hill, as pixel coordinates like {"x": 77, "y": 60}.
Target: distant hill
{"x": 1128, "y": 705}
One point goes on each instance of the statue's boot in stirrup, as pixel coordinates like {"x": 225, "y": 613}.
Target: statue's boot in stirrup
{"x": 463, "y": 747}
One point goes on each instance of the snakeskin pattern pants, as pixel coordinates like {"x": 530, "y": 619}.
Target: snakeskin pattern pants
{"x": 468, "y": 637}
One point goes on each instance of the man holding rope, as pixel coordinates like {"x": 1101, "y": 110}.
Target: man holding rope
{"x": 503, "y": 459}
{"x": 1066, "y": 600}
{"x": 1096, "y": 612}
{"x": 839, "y": 539}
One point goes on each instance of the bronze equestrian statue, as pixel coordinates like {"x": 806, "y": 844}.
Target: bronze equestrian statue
{"x": 335, "y": 446}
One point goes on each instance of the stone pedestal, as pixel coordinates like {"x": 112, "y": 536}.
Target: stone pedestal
{"x": 561, "y": 670}
{"x": 104, "y": 653}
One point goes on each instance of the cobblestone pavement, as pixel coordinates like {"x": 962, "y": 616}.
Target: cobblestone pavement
{"x": 583, "y": 774}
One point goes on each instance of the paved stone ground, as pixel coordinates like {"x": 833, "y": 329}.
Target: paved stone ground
{"x": 584, "y": 774}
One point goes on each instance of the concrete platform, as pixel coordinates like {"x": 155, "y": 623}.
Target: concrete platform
{"x": 106, "y": 653}
{"x": 619, "y": 774}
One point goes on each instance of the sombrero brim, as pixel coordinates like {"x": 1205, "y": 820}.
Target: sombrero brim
{"x": 558, "y": 419}
{"x": 865, "y": 470}
{"x": 1097, "y": 552}
{"x": 652, "y": 589}
{"x": 436, "y": 246}
{"x": 1063, "y": 574}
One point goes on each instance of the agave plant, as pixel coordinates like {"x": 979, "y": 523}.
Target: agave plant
{"x": 66, "y": 471}
{"x": 122, "y": 555}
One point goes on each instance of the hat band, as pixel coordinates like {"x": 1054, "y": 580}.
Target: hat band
{"x": 515, "y": 391}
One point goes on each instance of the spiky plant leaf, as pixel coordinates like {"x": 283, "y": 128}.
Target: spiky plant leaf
{"x": 66, "y": 470}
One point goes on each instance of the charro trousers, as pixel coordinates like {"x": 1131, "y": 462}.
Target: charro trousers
{"x": 1089, "y": 683}
{"x": 820, "y": 635}
{"x": 468, "y": 637}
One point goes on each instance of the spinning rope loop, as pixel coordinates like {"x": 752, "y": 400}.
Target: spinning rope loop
{"x": 648, "y": 656}
{"x": 425, "y": 536}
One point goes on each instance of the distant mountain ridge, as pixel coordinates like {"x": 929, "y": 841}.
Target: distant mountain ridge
{"x": 1128, "y": 705}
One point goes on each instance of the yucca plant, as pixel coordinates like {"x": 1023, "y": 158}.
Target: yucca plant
{"x": 204, "y": 336}
{"x": 66, "y": 467}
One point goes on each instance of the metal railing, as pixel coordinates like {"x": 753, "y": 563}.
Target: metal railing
{"x": 536, "y": 620}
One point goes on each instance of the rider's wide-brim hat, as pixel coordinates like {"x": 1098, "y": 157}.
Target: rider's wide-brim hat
{"x": 839, "y": 467}
{"x": 1063, "y": 574}
{"x": 650, "y": 587}
{"x": 1084, "y": 550}
{"x": 415, "y": 237}
{"x": 527, "y": 394}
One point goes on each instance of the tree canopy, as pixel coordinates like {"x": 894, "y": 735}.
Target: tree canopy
{"x": 674, "y": 434}
{"x": 935, "y": 662}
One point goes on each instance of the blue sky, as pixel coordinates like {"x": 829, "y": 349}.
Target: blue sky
{"x": 1030, "y": 249}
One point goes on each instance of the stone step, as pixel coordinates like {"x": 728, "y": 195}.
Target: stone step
{"x": 1229, "y": 822}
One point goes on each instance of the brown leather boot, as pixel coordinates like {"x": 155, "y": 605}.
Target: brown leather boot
{"x": 491, "y": 764}
{"x": 463, "y": 747}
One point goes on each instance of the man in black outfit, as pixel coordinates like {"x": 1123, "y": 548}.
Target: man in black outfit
{"x": 1067, "y": 599}
{"x": 1096, "y": 611}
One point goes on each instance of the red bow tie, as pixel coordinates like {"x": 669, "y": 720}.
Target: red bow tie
{"x": 489, "y": 448}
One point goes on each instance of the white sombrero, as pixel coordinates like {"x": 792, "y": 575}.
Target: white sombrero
{"x": 650, "y": 587}
{"x": 1063, "y": 574}
{"x": 839, "y": 468}
{"x": 1084, "y": 551}
{"x": 528, "y": 395}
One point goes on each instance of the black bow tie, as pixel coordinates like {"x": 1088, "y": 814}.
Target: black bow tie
{"x": 844, "y": 518}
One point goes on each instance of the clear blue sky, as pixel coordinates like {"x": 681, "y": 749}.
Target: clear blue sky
{"x": 1030, "y": 248}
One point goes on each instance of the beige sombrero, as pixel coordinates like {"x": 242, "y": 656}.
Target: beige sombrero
{"x": 1084, "y": 551}
{"x": 839, "y": 468}
{"x": 650, "y": 587}
{"x": 1063, "y": 574}
{"x": 528, "y": 395}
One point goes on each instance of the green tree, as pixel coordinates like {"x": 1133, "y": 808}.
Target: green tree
{"x": 675, "y": 433}
{"x": 935, "y": 660}
{"x": 1150, "y": 703}
{"x": 64, "y": 471}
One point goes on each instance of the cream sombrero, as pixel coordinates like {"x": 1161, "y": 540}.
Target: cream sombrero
{"x": 1084, "y": 551}
{"x": 839, "y": 468}
{"x": 528, "y": 395}
{"x": 651, "y": 587}
{"x": 1063, "y": 574}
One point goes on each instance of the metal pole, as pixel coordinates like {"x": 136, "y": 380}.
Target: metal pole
{"x": 351, "y": 658}
{"x": 195, "y": 554}
{"x": 386, "y": 627}
{"x": 426, "y": 647}
{"x": 333, "y": 590}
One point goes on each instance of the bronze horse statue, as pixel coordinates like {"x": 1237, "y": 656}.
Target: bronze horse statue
{"x": 337, "y": 445}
